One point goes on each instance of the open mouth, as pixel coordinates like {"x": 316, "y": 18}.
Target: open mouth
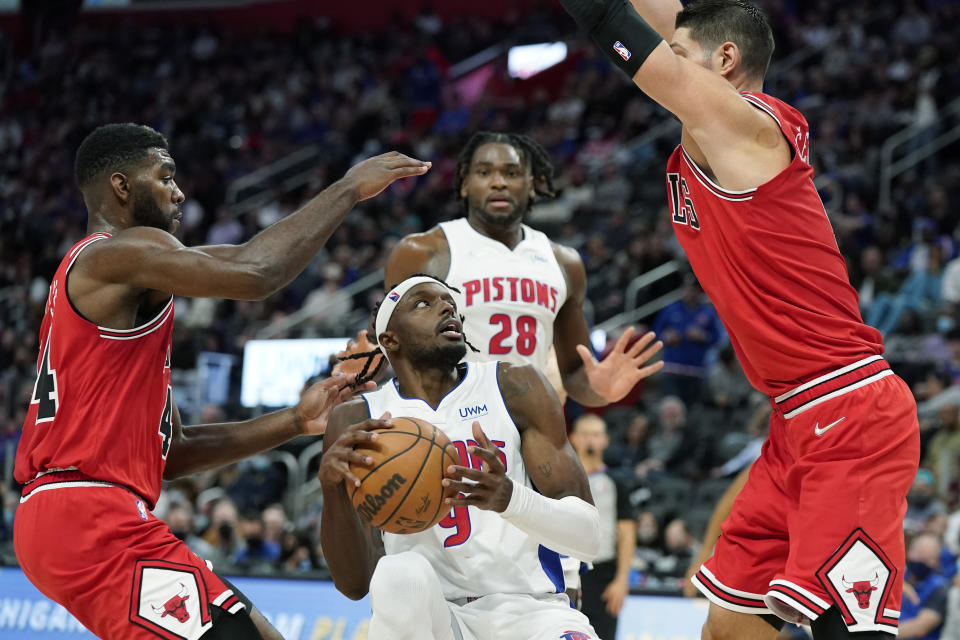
{"x": 452, "y": 329}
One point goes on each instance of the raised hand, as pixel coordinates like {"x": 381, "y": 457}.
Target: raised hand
{"x": 318, "y": 401}
{"x": 340, "y": 454}
{"x": 375, "y": 174}
{"x": 489, "y": 487}
{"x": 623, "y": 368}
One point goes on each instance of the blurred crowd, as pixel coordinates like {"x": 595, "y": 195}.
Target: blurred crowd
{"x": 231, "y": 101}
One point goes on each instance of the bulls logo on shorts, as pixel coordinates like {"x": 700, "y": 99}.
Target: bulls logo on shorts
{"x": 170, "y": 599}
{"x": 859, "y": 577}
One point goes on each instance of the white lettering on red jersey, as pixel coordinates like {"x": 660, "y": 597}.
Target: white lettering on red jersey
{"x": 102, "y": 402}
{"x": 768, "y": 259}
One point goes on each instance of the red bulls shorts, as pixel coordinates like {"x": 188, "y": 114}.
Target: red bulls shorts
{"x": 94, "y": 548}
{"x": 820, "y": 520}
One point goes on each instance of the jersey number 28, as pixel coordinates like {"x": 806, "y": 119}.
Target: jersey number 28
{"x": 526, "y": 331}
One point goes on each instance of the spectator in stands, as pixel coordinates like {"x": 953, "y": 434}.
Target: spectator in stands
{"x": 222, "y": 534}
{"x": 180, "y": 520}
{"x": 920, "y": 294}
{"x": 689, "y": 328}
{"x": 875, "y": 278}
{"x": 299, "y": 553}
{"x": 922, "y": 502}
{"x": 606, "y": 585}
{"x": 943, "y": 451}
{"x": 669, "y": 448}
{"x": 649, "y": 547}
{"x": 258, "y": 554}
{"x": 757, "y": 429}
{"x": 727, "y": 386}
{"x": 923, "y": 606}
{"x": 680, "y": 547}
{"x": 328, "y": 305}
{"x": 623, "y": 457}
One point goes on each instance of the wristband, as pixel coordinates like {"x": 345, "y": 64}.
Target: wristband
{"x": 615, "y": 26}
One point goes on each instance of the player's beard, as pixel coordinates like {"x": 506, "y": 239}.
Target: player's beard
{"x": 147, "y": 213}
{"x": 441, "y": 356}
{"x": 503, "y": 221}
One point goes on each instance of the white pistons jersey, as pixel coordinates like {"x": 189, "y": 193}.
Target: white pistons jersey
{"x": 509, "y": 298}
{"x": 474, "y": 552}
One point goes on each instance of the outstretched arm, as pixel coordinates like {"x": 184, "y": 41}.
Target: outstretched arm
{"x": 148, "y": 258}
{"x": 743, "y": 147}
{"x": 661, "y": 15}
{"x": 590, "y": 383}
{"x": 209, "y": 446}
{"x": 350, "y": 547}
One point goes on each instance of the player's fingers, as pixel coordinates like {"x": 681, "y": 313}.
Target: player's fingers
{"x": 641, "y": 343}
{"x": 589, "y": 362}
{"x": 487, "y": 455}
{"x": 480, "y": 436}
{"x": 648, "y": 370}
{"x": 459, "y": 487}
{"x": 649, "y": 353}
{"x": 624, "y": 339}
{"x": 457, "y": 472}
{"x": 407, "y": 171}
{"x": 462, "y": 500}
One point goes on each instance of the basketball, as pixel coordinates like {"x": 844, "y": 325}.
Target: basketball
{"x": 403, "y": 492}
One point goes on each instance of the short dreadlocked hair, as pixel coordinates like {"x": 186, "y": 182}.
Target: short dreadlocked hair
{"x": 531, "y": 152}
{"x": 713, "y": 22}
{"x": 113, "y": 147}
{"x": 365, "y": 374}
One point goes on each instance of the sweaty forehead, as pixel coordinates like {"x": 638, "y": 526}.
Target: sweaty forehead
{"x": 497, "y": 153}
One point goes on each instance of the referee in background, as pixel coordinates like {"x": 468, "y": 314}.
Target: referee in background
{"x": 607, "y": 584}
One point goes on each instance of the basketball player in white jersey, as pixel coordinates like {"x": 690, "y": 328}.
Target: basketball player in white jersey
{"x": 521, "y": 293}
{"x": 490, "y": 570}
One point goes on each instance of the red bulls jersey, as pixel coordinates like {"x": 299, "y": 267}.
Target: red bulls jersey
{"x": 769, "y": 262}
{"x": 102, "y": 400}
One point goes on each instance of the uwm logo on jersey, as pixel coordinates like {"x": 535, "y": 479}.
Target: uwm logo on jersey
{"x": 681, "y": 206}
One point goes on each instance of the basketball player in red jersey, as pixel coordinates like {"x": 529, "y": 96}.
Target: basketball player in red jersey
{"x": 816, "y": 533}
{"x": 103, "y": 430}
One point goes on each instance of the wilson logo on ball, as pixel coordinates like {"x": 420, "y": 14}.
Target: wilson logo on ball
{"x": 372, "y": 503}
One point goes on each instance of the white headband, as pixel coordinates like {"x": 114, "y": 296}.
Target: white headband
{"x": 393, "y": 298}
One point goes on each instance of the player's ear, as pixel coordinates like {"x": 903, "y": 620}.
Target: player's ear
{"x": 120, "y": 185}
{"x": 388, "y": 340}
{"x": 727, "y": 58}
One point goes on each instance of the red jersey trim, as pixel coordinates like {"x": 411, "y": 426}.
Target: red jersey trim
{"x": 715, "y": 189}
{"x": 142, "y": 330}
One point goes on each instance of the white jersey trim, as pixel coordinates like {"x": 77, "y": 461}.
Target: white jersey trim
{"x": 827, "y": 376}
{"x": 839, "y": 392}
{"x": 717, "y": 190}
{"x": 144, "y": 329}
{"x": 67, "y": 485}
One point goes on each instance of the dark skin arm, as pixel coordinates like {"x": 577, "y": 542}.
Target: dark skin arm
{"x": 110, "y": 278}
{"x": 550, "y": 461}
{"x": 590, "y": 383}
{"x": 209, "y": 446}
{"x": 350, "y": 547}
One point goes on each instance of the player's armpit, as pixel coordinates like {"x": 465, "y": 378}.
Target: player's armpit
{"x": 743, "y": 147}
